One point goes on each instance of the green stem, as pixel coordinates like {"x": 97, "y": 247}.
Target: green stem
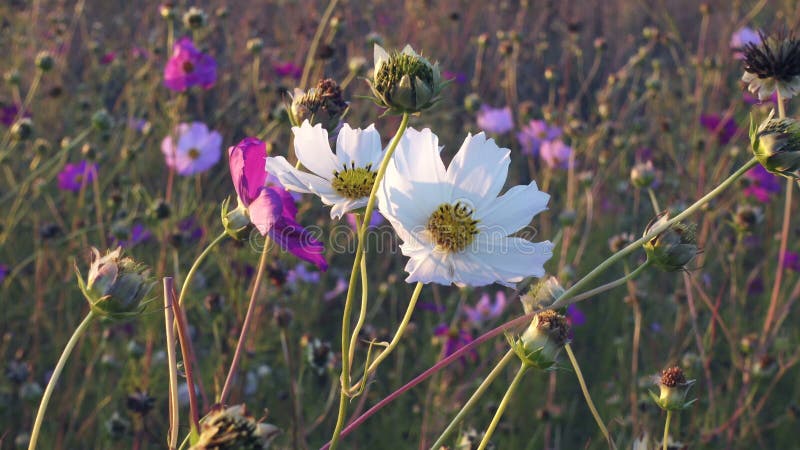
{"x": 653, "y": 200}
{"x": 588, "y": 397}
{"x": 509, "y": 356}
{"x": 237, "y": 355}
{"x": 664, "y": 445}
{"x": 502, "y": 407}
{"x": 362, "y": 313}
{"x": 48, "y": 392}
{"x": 196, "y": 265}
{"x": 21, "y": 112}
{"x": 611, "y": 285}
{"x": 564, "y": 299}
{"x": 312, "y": 50}
{"x": 351, "y": 288}
{"x": 172, "y": 364}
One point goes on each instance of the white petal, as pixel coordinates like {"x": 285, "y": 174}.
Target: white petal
{"x": 296, "y": 180}
{"x": 512, "y": 259}
{"x": 512, "y": 210}
{"x": 380, "y": 56}
{"x": 359, "y": 146}
{"x": 417, "y": 157}
{"x": 313, "y": 150}
{"x": 341, "y": 207}
{"x": 478, "y": 171}
{"x": 429, "y": 268}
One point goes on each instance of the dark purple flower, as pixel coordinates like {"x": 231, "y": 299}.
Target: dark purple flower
{"x": 271, "y": 208}
{"x": 791, "y": 261}
{"x": 189, "y": 67}
{"x": 755, "y": 286}
{"x": 575, "y": 316}
{"x": 750, "y": 99}
{"x": 457, "y": 77}
{"x": 108, "y": 58}
{"x": 4, "y": 271}
{"x": 301, "y": 274}
{"x": 454, "y": 339}
{"x": 724, "y": 130}
{"x": 73, "y": 176}
{"x": 535, "y": 134}
{"x": 8, "y": 114}
{"x": 762, "y": 184}
{"x": 191, "y": 229}
{"x": 138, "y": 234}
{"x": 287, "y": 69}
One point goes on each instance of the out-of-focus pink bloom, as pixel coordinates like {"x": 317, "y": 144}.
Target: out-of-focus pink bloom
{"x": 339, "y": 289}
{"x": 762, "y": 184}
{"x": 189, "y": 67}
{"x": 791, "y": 261}
{"x": 138, "y": 234}
{"x": 108, "y": 58}
{"x": 74, "y": 176}
{"x": 374, "y": 222}
{"x": 575, "y": 316}
{"x": 454, "y": 339}
{"x": 287, "y": 69}
{"x": 486, "y": 309}
{"x": 534, "y": 134}
{"x": 556, "y": 154}
{"x": 495, "y": 120}
{"x": 140, "y": 53}
{"x": 725, "y": 131}
{"x": 301, "y": 274}
{"x": 198, "y": 148}
{"x": 456, "y": 77}
{"x": 742, "y": 37}
{"x": 8, "y": 114}
{"x": 270, "y": 207}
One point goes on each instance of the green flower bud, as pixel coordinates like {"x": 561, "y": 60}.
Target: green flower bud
{"x": 776, "y": 145}
{"x": 167, "y": 10}
{"x": 233, "y": 429}
{"x": 12, "y": 77}
{"x": 255, "y": 45}
{"x": 45, "y": 61}
{"x": 541, "y": 343}
{"x": 101, "y": 120}
{"x": 116, "y": 285}
{"x": 643, "y": 175}
{"x": 673, "y": 248}
{"x": 673, "y": 389}
{"x": 472, "y": 103}
{"x": 195, "y": 18}
{"x": 236, "y": 222}
{"x": 542, "y": 294}
{"x": 22, "y": 129}
{"x": 404, "y": 82}
{"x": 322, "y": 104}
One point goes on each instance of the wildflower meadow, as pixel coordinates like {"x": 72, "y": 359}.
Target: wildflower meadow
{"x": 442, "y": 224}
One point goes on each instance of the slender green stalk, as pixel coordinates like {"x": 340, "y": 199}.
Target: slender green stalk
{"x": 348, "y": 304}
{"x": 588, "y": 397}
{"x": 362, "y": 313}
{"x": 565, "y": 298}
{"x": 502, "y": 407}
{"x": 312, "y": 50}
{"x": 611, "y": 285}
{"x": 373, "y": 366}
{"x": 237, "y": 355}
{"x": 172, "y": 364}
{"x": 21, "y": 112}
{"x": 664, "y": 443}
{"x": 509, "y": 356}
{"x": 48, "y": 392}
{"x": 196, "y": 265}
{"x": 653, "y": 200}
{"x": 188, "y": 363}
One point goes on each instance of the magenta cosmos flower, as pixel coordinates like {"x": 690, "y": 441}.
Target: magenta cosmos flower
{"x": 270, "y": 207}
{"x": 725, "y": 131}
{"x": 486, "y": 309}
{"x": 197, "y": 149}
{"x": 74, "y": 176}
{"x": 189, "y": 67}
{"x": 495, "y": 120}
{"x": 556, "y": 154}
{"x": 536, "y": 133}
{"x": 762, "y": 184}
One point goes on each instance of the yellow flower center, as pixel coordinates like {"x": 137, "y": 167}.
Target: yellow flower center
{"x": 353, "y": 182}
{"x": 452, "y": 227}
{"x": 193, "y": 153}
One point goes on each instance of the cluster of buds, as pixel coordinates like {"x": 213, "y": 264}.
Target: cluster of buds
{"x": 776, "y": 145}
{"x": 672, "y": 248}
{"x": 233, "y": 429}
{"x": 673, "y": 387}
{"x": 404, "y": 82}
{"x": 323, "y": 104}
{"x": 116, "y": 285}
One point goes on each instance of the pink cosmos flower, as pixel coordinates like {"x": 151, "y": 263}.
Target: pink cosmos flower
{"x": 534, "y": 134}
{"x": 74, "y": 176}
{"x": 556, "y": 154}
{"x": 287, "y": 69}
{"x": 575, "y": 316}
{"x": 189, "y": 67}
{"x": 495, "y": 120}
{"x": 742, "y": 37}
{"x": 791, "y": 261}
{"x": 486, "y": 309}
{"x": 198, "y": 149}
{"x": 762, "y": 184}
{"x": 454, "y": 338}
{"x": 270, "y": 207}
{"x": 725, "y": 131}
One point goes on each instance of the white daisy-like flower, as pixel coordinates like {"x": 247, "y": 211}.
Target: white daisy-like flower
{"x": 454, "y": 227}
{"x": 344, "y": 179}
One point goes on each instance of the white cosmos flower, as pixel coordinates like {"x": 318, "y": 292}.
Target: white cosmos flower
{"x": 343, "y": 179}
{"x": 453, "y": 225}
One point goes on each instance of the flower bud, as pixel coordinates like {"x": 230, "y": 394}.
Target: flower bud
{"x": 776, "y": 145}
{"x": 45, "y": 61}
{"x": 233, "y": 428}
{"x": 22, "y": 129}
{"x": 195, "y": 18}
{"x": 542, "y": 294}
{"x": 643, "y": 175}
{"x": 747, "y": 217}
{"x": 12, "y": 77}
{"x": 255, "y": 45}
{"x": 116, "y": 285}
{"x": 404, "y": 82}
{"x": 673, "y": 389}
{"x": 167, "y": 10}
{"x": 541, "y": 343}
{"x": 472, "y": 103}
{"x": 620, "y": 241}
{"x": 322, "y": 104}
{"x": 101, "y": 120}
{"x": 674, "y": 247}
{"x": 357, "y": 64}
{"x": 236, "y": 222}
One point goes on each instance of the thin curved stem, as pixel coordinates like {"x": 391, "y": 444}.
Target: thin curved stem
{"x": 362, "y": 313}
{"x": 348, "y": 304}
{"x": 664, "y": 443}
{"x": 611, "y": 285}
{"x": 509, "y": 356}
{"x": 588, "y": 397}
{"x": 502, "y": 407}
{"x": 196, "y": 265}
{"x": 172, "y": 364}
{"x": 48, "y": 392}
{"x": 237, "y": 355}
